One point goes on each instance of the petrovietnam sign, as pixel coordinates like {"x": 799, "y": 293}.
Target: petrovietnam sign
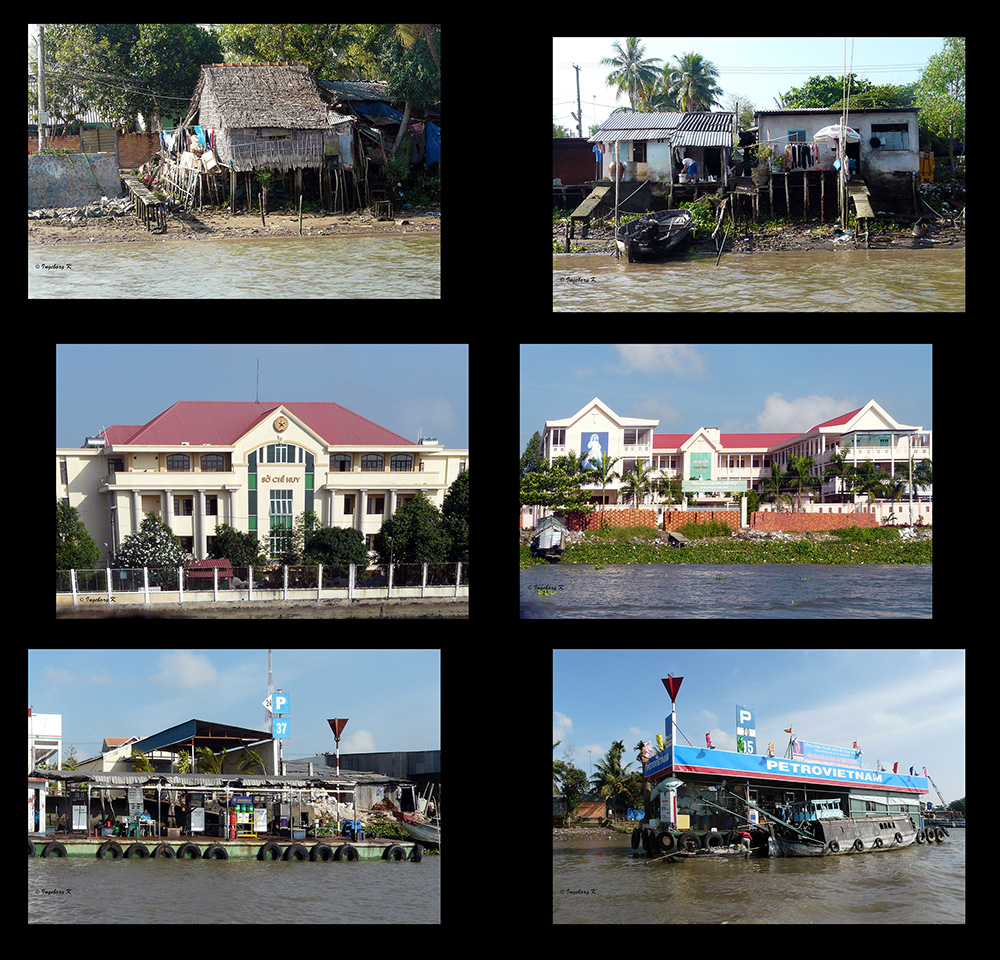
{"x": 723, "y": 763}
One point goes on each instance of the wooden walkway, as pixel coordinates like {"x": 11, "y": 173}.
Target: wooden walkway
{"x": 861, "y": 197}
{"x": 148, "y": 208}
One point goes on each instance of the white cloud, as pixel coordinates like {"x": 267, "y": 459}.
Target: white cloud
{"x": 799, "y": 415}
{"x": 682, "y": 359}
{"x": 185, "y": 670}
{"x": 562, "y": 726}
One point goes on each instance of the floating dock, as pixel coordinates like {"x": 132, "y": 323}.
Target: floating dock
{"x": 209, "y": 848}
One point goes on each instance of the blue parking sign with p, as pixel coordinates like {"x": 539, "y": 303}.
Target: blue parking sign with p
{"x": 280, "y": 703}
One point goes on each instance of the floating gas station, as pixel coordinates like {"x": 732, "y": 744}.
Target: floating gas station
{"x": 687, "y": 787}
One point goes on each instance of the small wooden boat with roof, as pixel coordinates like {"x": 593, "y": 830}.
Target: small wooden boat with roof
{"x": 655, "y": 235}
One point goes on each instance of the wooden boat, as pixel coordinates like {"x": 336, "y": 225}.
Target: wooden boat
{"x": 655, "y": 235}
{"x": 820, "y": 829}
{"x": 420, "y": 830}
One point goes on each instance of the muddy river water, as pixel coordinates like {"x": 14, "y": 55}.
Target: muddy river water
{"x": 899, "y": 281}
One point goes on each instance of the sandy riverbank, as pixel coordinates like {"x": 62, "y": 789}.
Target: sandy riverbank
{"x": 195, "y": 226}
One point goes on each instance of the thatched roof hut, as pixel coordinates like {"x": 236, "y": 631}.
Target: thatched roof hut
{"x": 264, "y": 115}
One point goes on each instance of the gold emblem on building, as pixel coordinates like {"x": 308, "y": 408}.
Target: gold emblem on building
{"x": 281, "y": 424}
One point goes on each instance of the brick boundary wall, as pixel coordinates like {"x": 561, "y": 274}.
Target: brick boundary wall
{"x": 612, "y": 518}
{"x": 791, "y": 522}
{"x": 759, "y": 520}
{"x": 675, "y": 519}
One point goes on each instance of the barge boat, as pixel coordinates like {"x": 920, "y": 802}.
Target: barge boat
{"x": 823, "y": 830}
{"x": 201, "y": 848}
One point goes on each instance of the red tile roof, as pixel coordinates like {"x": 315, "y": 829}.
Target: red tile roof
{"x": 223, "y": 422}
{"x": 837, "y": 421}
{"x": 730, "y": 441}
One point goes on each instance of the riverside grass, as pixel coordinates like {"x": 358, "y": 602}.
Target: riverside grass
{"x": 851, "y": 545}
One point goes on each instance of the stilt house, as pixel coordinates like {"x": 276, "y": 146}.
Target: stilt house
{"x": 247, "y": 117}
{"x": 259, "y": 116}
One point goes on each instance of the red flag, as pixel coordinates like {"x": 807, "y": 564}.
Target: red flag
{"x": 708, "y": 740}
{"x": 925, "y": 771}
{"x": 673, "y": 684}
{"x": 896, "y": 764}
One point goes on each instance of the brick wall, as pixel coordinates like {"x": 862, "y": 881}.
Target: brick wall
{"x": 134, "y": 149}
{"x": 675, "y": 519}
{"x": 612, "y": 518}
{"x": 763, "y": 520}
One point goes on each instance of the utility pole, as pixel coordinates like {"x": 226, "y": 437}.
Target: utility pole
{"x": 578, "y": 116}
{"x": 42, "y": 106}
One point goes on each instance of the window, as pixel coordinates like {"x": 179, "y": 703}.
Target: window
{"x": 281, "y": 521}
{"x": 894, "y": 136}
{"x": 178, "y": 463}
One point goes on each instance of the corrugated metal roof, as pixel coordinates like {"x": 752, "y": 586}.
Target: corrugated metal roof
{"x": 648, "y": 126}
{"x": 696, "y": 129}
{"x": 215, "y": 781}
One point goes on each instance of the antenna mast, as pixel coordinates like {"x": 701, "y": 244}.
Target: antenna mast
{"x": 257, "y": 400}
{"x": 270, "y": 691}
{"x": 268, "y": 716}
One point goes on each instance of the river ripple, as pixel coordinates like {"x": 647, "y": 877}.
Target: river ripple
{"x": 342, "y": 268}
{"x": 758, "y": 591}
{"x": 899, "y": 281}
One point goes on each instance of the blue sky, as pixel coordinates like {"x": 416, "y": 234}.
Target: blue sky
{"x": 754, "y": 69}
{"x": 739, "y": 388}
{"x": 403, "y": 387}
{"x": 391, "y": 697}
{"x": 900, "y": 705}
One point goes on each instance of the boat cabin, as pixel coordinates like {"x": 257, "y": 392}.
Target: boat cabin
{"x": 816, "y": 810}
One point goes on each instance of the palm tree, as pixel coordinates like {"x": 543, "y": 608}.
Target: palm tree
{"x": 691, "y": 82}
{"x": 632, "y": 75}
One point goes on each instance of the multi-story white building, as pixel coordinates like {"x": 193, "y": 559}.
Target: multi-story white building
{"x": 868, "y": 433}
{"x": 254, "y": 466}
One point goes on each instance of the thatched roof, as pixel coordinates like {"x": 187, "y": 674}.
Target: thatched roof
{"x": 261, "y": 95}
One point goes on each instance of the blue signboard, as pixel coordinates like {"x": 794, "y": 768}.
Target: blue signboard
{"x": 279, "y": 729}
{"x": 724, "y": 763}
{"x": 281, "y": 703}
{"x": 746, "y": 730}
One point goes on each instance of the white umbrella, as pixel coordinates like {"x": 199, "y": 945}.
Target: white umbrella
{"x": 836, "y": 132}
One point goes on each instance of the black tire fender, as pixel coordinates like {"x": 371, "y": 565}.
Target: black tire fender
{"x": 110, "y": 850}
{"x": 269, "y": 851}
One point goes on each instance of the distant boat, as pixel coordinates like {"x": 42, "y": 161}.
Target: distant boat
{"x": 655, "y": 235}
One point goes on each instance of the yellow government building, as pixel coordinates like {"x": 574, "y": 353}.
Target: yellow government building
{"x": 252, "y": 465}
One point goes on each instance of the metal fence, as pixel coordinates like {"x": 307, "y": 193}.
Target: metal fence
{"x": 158, "y": 585}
